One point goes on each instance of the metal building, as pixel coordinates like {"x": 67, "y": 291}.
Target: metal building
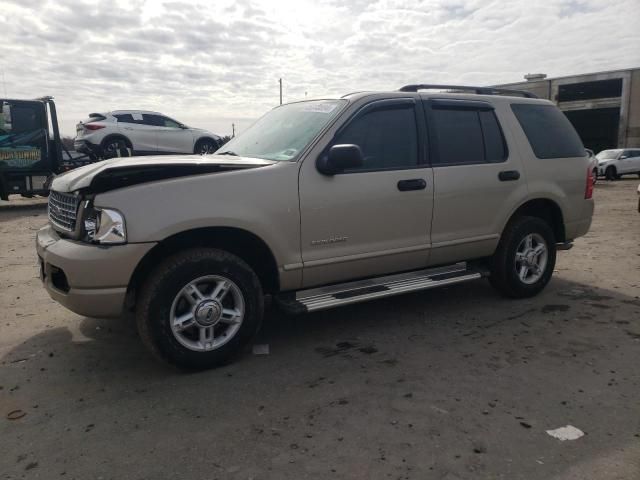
{"x": 604, "y": 107}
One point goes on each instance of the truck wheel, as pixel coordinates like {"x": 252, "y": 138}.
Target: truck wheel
{"x": 199, "y": 307}
{"x": 524, "y": 261}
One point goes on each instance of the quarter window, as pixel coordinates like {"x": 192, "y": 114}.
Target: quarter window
{"x": 388, "y": 138}
{"x": 548, "y": 130}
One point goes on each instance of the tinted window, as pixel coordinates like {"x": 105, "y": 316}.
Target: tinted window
{"x": 160, "y": 121}
{"x": 495, "y": 149}
{"x": 125, "y": 118}
{"x": 458, "y": 136}
{"x": 388, "y": 138}
{"x": 549, "y": 132}
{"x": 155, "y": 120}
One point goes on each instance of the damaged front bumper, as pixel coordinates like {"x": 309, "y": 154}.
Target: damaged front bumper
{"x": 87, "y": 279}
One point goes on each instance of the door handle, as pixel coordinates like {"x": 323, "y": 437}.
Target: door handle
{"x": 412, "y": 184}
{"x": 509, "y": 175}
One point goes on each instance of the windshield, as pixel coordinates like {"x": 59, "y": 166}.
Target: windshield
{"x": 285, "y": 131}
{"x": 607, "y": 155}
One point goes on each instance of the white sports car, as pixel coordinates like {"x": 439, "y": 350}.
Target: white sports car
{"x": 138, "y": 132}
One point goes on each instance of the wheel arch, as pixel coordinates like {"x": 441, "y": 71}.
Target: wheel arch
{"x": 242, "y": 243}
{"x": 545, "y": 209}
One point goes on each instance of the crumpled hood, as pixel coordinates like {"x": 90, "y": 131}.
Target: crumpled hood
{"x": 122, "y": 172}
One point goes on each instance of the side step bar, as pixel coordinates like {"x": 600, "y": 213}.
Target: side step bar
{"x": 322, "y": 298}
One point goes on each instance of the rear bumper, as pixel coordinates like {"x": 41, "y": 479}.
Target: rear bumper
{"x": 87, "y": 279}
{"x": 85, "y": 146}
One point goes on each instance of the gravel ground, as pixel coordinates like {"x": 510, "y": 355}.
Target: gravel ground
{"x": 455, "y": 383}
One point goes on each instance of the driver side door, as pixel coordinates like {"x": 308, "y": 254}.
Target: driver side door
{"x": 374, "y": 219}
{"x": 170, "y": 136}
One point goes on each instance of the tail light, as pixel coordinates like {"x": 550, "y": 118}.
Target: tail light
{"x": 93, "y": 126}
{"x": 588, "y": 191}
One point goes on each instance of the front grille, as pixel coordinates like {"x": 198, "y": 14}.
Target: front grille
{"x": 63, "y": 209}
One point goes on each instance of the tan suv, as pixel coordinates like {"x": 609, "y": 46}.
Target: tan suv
{"x": 319, "y": 204}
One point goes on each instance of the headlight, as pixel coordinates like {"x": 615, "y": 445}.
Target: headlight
{"x": 104, "y": 226}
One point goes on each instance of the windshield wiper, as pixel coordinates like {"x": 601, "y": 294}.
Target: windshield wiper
{"x": 228, "y": 152}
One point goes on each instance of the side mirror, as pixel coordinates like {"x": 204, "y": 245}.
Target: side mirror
{"x": 622, "y": 157}
{"x": 182, "y": 126}
{"x": 340, "y": 158}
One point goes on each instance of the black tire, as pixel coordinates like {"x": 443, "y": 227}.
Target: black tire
{"x": 115, "y": 147}
{"x": 153, "y": 308}
{"x": 503, "y": 263}
{"x": 611, "y": 173}
{"x": 594, "y": 174}
{"x": 205, "y": 146}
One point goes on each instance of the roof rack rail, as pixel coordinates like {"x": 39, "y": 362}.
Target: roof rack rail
{"x": 478, "y": 90}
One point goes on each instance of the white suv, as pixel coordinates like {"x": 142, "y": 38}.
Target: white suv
{"x": 136, "y": 132}
{"x": 614, "y": 163}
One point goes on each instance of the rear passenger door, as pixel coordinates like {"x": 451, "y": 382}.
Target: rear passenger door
{"x": 477, "y": 179}
{"x": 140, "y": 133}
{"x": 629, "y": 161}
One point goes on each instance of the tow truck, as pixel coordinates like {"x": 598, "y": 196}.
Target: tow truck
{"x": 31, "y": 150}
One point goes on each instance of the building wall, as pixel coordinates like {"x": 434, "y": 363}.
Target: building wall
{"x": 628, "y": 102}
{"x": 633, "y": 126}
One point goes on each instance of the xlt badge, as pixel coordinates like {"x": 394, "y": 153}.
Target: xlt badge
{"x": 326, "y": 241}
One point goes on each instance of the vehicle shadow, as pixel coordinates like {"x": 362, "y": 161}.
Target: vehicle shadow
{"x": 9, "y": 212}
{"x": 458, "y": 365}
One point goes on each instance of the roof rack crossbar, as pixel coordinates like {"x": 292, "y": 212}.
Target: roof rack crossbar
{"x": 478, "y": 90}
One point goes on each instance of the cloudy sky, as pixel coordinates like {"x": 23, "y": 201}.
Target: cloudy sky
{"x": 212, "y": 63}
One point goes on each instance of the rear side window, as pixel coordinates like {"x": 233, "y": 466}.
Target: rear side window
{"x": 388, "y": 138}
{"x": 467, "y": 136}
{"x": 125, "y": 118}
{"x": 548, "y": 130}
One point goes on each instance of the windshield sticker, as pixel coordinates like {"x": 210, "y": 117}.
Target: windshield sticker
{"x": 318, "y": 107}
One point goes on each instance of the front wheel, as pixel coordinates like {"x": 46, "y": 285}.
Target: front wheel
{"x": 206, "y": 146}
{"x": 526, "y": 256}
{"x": 611, "y": 173}
{"x": 199, "y": 308}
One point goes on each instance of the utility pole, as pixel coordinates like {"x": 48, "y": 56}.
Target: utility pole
{"x": 4, "y": 83}
{"x": 233, "y": 130}
{"x": 280, "y": 81}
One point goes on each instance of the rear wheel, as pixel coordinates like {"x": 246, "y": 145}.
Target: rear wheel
{"x": 115, "y": 147}
{"x": 524, "y": 261}
{"x": 199, "y": 308}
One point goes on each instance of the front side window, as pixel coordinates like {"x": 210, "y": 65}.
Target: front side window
{"x": 284, "y": 132}
{"x": 387, "y": 137}
{"x": 548, "y": 130}
{"x": 608, "y": 154}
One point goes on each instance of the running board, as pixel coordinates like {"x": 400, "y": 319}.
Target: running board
{"x": 322, "y": 298}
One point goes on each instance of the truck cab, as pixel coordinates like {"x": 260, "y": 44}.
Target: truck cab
{"x": 30, "y": 147}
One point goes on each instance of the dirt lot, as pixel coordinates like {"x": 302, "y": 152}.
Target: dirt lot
{"x": 450, "y": 384}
